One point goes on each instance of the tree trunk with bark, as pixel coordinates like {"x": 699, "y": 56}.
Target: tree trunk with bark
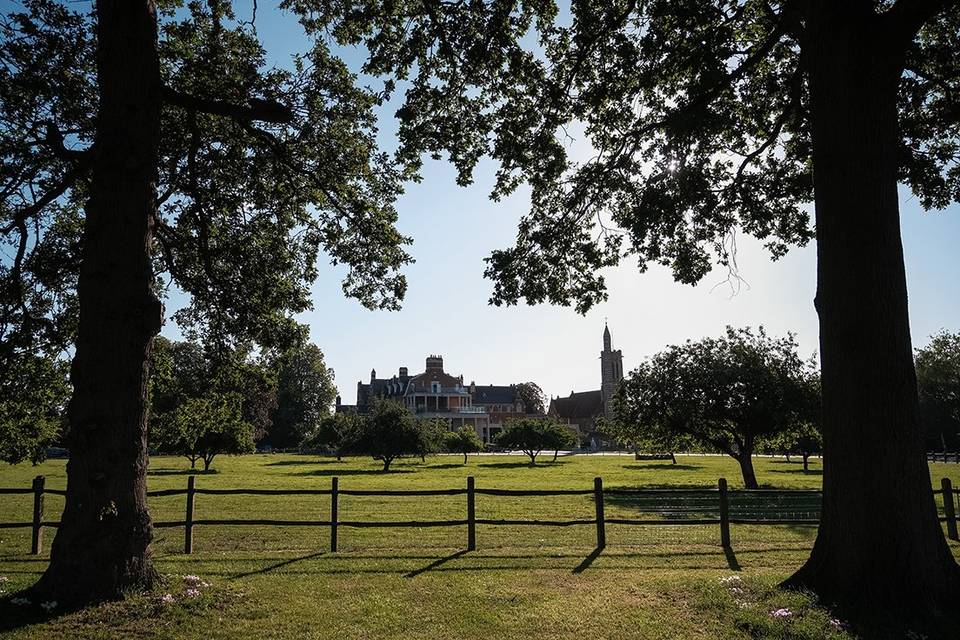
{"x": 101, "y": 547}
{"x": 879, "y": 547}
{"x": 745, "y": 460}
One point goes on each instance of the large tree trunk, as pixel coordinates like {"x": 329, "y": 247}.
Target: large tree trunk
{"x": 880, "y": 547}
{"x": 101, "y": 547}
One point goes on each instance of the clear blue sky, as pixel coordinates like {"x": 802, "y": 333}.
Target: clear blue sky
{"x": 446, "y": 309}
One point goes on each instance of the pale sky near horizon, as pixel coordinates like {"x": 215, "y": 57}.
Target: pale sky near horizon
{"x": 446, "y": 310}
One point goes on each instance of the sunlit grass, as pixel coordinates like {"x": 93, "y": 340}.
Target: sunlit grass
{"x": 271, "y": 582}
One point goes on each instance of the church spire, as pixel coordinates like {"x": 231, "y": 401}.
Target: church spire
{"x": 606, "y": 337}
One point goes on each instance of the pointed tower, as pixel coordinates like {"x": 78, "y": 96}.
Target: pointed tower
{"x": 611, "y": 371}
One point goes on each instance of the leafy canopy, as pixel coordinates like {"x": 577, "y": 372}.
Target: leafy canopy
{"x": 695, "y": 114}
{"x": 205, "y": 402}
{"x": 262, "y": 168}
{"x": 463, "y": 441}
{"x": 305, "y": 393}
{"x": 534, "y": 435}
{"x": 532, "y": 396}
{"x": 726, "y": 393}
{"x": 33, "y": 400}
{"x": 938, "y": 379}
{"x": 390, "y": 431}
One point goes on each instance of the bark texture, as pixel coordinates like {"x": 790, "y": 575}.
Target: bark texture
{"x": 880, "y": 547}
{"x": 746, "y": 469}
{"x": 101, "y": 548}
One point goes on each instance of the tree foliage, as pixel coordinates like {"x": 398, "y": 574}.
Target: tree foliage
{"x": 938, "y": 378}
{"x": 725, "y": 393}
{"x": 803, "y": 440}
{"x": 205, "y": 427}
{"x": 463, "y": 441}
{"x": 697, "y": 115}
{"x": 391, "y": 431}
{"x": 305, "y": 393}
{"x": 532, "y": 396}
{"x": 534, "y": 435}
{"x": 334, "y": 432}
{"x": 625, "y": 428}
{"x": 248, "y": 195}
{"x": 206, "y": 402}
{"x": 33, "y": 397}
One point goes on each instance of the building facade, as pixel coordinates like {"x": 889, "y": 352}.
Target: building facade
{"x": 436, "y": 394}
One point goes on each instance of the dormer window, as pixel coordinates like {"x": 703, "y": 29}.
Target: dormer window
{"x": 434, "y": 387}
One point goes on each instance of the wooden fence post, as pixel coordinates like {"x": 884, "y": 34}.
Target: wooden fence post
{"x": 188, "y": 522}
{"x": 598, "y": 503}
{"x": 334, "y": 489}
{"x": 471, "y": 516}
{"x": 724, "y": 513}
{"x": 36, "y": 542}
{"x": 948, "y": 509}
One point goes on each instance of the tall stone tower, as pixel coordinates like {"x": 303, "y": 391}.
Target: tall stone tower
{"x": 611, "y": 371}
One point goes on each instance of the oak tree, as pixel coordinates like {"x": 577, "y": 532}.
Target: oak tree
{"x": 148, "y": 146}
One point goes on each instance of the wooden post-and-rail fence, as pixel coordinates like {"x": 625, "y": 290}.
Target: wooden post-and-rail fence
{"x": 719, "y": 501}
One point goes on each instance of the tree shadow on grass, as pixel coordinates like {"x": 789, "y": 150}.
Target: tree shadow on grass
{"x": 181, "y": 472}
{"x": 351, "y": 472}
{"x": 811, "y": 472}
{"x": 668, "y": 466}
{"x": 520, "y": 465}
{"x": 303, "y": 461}
{"x": 15, "y": 616}
{"x": 450, "y": 465}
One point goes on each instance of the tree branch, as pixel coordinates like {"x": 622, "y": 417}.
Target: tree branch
{"x": 255, "y": 109}
{"x": 907, "y": 17}
{"x": 57, "y": 190}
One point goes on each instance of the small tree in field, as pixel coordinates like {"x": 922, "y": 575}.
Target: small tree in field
{"x": 389, "y": 432}
{"x": 202, "y": 428}
{"x": 463, "y": 441}
{"x": 533, "y": 435}
{"x": 725, "y": 393}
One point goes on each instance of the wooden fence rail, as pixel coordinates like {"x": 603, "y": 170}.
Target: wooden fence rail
{"x": 680, "y": 506}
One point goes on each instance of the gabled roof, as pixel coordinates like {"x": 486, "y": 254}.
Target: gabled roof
{"x": 586, "y": 404}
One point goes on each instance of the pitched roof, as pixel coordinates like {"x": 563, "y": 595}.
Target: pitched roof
{"x": 586, "y": 404}
{"x": 490, "y": 394}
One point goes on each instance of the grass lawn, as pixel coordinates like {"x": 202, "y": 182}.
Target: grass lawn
{"x": 522, "y": 582}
